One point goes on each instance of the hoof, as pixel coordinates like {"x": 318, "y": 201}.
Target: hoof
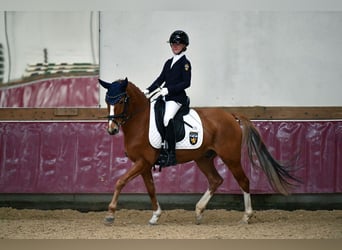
{"x": 152, "y": 223}
{"x": 243, "y": 222}
{"x": 198, "y": 219}
{"x": 245, "y": 218}
{"x": 154, "y": 220}
{"x": 108, "y": 220}
{"x": 155, "y": 216}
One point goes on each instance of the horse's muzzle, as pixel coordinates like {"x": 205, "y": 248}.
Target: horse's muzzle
{"x": 113, "y": 127}
{"x": 113, "y": 131}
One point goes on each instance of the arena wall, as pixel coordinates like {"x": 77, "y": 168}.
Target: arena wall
{"x": 80, "y": 157}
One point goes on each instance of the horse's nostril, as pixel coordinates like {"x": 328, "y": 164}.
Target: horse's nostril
{"x": 113, "y": 131}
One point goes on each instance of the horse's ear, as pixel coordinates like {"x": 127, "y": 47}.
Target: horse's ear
{"x": 125, "y": 82}
{"x": 104, "y": 84}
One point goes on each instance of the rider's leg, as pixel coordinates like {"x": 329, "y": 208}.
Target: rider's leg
{"x": 171, "y": 143}
{"x": 171, "y": 108}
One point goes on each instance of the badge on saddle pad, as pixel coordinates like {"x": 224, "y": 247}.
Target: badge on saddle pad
{"x": 193, "y": 131}
{"x": 193, "y": 137}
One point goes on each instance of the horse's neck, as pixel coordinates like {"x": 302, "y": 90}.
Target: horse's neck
{"x": 137, "y": 98}
{"x": 138, "y": 109}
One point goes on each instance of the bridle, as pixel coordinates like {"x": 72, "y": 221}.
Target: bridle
{"x": 123, "y": 116}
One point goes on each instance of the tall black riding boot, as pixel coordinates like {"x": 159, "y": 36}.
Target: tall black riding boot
{"x": 171, "y": 141}
{"x": 168, "y": 155}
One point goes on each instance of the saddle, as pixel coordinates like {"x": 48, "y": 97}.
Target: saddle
{"x": 187, "y": 124}
{"x": 159, "y": 109}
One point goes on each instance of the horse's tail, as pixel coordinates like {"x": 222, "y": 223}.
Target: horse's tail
{"x": 277, "y": 174}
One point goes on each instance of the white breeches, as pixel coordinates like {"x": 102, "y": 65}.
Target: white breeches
{"x": 171, "y": 108}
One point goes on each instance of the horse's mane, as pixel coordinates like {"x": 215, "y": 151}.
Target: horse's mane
{"x": 135, "y": 88}
{"x": 133, "y": 85}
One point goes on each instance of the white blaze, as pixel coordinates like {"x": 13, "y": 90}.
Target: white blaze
{"x": 111, "y": 113}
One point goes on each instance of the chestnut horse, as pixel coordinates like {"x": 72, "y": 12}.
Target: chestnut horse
{"x": 224, "y": 135}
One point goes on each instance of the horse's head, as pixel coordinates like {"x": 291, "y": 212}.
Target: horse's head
{"x": 116, "y": 93}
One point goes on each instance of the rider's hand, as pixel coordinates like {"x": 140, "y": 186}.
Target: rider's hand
{"x": 146, "y": 92}
{"x": 164, "y": 91}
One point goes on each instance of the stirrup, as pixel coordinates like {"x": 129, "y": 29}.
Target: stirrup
{"x": 166, "y": 158}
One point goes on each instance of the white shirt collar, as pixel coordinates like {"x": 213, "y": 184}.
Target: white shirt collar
{"x": 176, "y": 58}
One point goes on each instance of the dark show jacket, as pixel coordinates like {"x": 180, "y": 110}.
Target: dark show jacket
{"x": 177, "y": 78}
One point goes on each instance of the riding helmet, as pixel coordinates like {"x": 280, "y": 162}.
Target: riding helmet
{"x": 179, "y": 36}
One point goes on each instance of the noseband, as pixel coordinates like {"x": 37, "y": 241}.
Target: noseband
{"x": 124, "y": 116}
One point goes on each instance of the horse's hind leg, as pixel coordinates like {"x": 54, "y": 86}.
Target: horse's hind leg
{"x": 206, "y": 165}
{"x": 248, "y": 207}
{"x": 240, "y": 176}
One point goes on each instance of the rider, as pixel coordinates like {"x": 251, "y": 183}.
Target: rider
{"x": 176, "y": 74}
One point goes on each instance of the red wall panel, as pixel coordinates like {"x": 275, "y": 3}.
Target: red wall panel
{"x": 80, "y": 157}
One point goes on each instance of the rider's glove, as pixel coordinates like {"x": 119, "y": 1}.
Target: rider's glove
{"x": 146, "y": 92}
{"x": 164, "y": 91}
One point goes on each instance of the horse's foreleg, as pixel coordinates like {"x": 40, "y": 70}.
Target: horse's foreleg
{"x": 109, "y": 219}
{"x": 206, "y": 165}
{"x": 149, "y": 183}
{"x": 121, "y": 182}
{"x": 155, "y": 215}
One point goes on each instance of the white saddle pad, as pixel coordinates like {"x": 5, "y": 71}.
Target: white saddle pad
{"x": 193, "y": 135}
